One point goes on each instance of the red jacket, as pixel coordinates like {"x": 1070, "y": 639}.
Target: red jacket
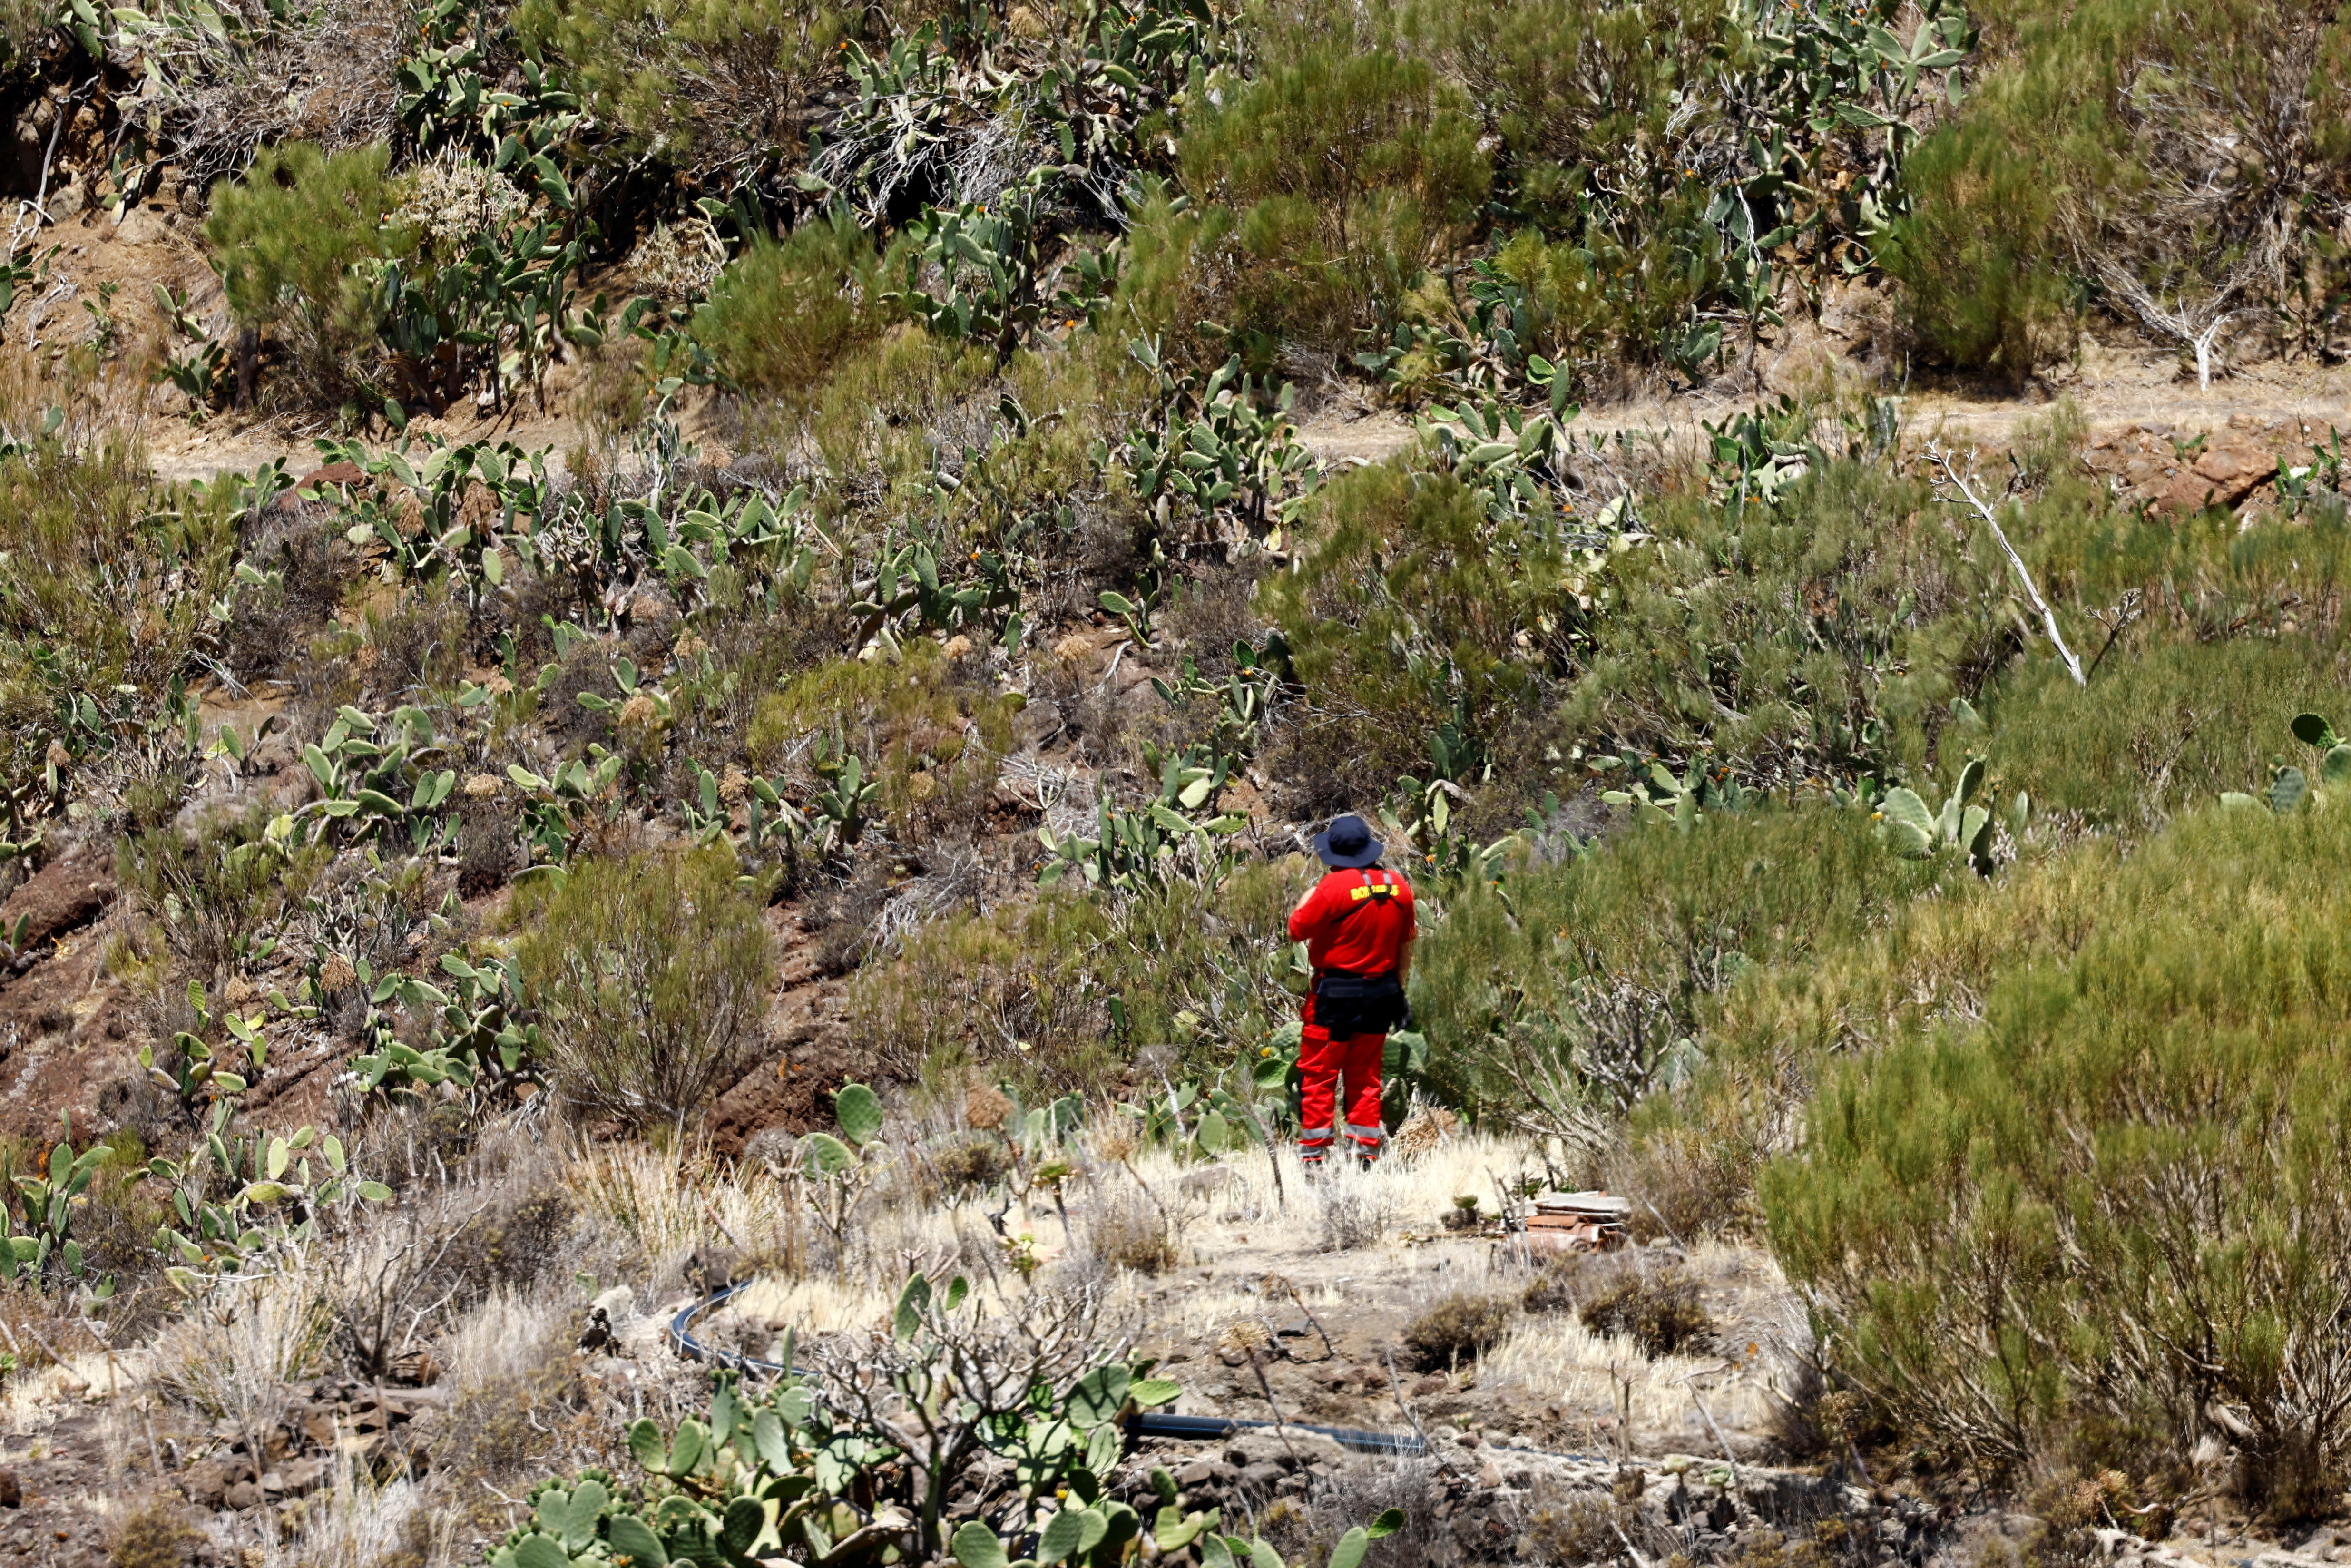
{"x": 1356, "y": 921}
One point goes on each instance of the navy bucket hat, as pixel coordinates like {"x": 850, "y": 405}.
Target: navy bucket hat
{"x": 1348, "y": 844}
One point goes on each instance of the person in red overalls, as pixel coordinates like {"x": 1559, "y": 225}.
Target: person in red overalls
{"x": 1357, "y": 924}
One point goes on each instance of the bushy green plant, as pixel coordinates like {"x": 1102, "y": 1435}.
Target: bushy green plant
{"x": 1056, "y": 992}
{"x": 1980, "y": 250}
{"x": 651, "y": 976}
{"x": 106, "y": 584}
{"x": 1410, "y": 603}
{"x": 923, "y": 747}
{"x": 1576, "y": 90}
{"x": 290, "y": 239}
{"x": 697, "y": 81}
{"x": 2089, "y": 1222}
{"x": 2074, "y": 173}
{"x": 1348, "y": 173}
{"x": 1808, "y": 640}
{"x": 1563, "y": 1001}
{"x": 2167, "y": 725}
{"x": 783, "y": 312}
{"x": 214, "y": 895}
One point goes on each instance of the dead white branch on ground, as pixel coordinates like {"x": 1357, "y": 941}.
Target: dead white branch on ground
{"x": 1951, "y": 474}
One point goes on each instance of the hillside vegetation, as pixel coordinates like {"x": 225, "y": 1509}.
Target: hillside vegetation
{"x": 832, "y": 817}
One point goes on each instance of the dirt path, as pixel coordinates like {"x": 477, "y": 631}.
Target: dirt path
{"x": 2114, "y": 389}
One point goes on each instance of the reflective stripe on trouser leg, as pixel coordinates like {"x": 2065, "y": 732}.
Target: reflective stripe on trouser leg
{"x": 1365, "y": 1133}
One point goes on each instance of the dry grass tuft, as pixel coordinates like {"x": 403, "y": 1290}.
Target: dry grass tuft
{"x": 1131, "y": 1231}
{"x": 1461, "y": 1327}
{"x": 1661, "y": 1312}
{"x": 156, "y": 1534}
{"x": 231, "y": 1351}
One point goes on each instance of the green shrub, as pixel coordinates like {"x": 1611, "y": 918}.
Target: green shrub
{"x": 1165, "y": 288}
{"x": 1576, "y": 89}
{"x": 1587, "y": 986}
{"x": 107, "y": 583}
{"x": 2082, "y": 167}
{"x": 1408, "y": 605}
{"x": 1604, "y": 112}
{"x": 1826, "y": 637}
{"x": 934, "y": 744}
{"x": 784, "y": 312}
{"x": 876, "y": 414}
{"x": 1028, "y": 989}
{"x": 651, "y": 977}
{"x": 1609, "y": 301}
{"x": 290, "y": 240}
{"x": 2078, "y": 1227}
{"x": 2163, "y": 730}
{"x": 1981, "y": 251}
{"x": 211, "y": 894}
{"x": 1816, "y": 639}
{"x": 1348, "y": 173}
{"x": 697, "y": 82}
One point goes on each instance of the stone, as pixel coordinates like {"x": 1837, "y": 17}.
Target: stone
{"x": 63, "y": 896}
{"x": 243, "y": 1495}
{"x": 1198, "y": 1473}
{"x": 303, "y": 1476}
{"x": 206, "y": 1483}
{"x": 12, "y": 1490}
{"x": 141, "y": 225}
{"x": 1433, "y": 1383}
{"x": 2222, "y": 476}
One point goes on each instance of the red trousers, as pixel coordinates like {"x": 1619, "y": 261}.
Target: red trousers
{"x": 1321, "y": 1063}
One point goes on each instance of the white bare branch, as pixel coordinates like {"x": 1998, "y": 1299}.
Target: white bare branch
{"x": 1951, "y": 474}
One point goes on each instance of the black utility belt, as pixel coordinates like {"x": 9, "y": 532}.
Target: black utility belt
{"x": 1348, "y": 1005}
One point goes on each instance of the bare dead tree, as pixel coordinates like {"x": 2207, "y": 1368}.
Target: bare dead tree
{"x": 942, "y": 1376}
{"x": 2196, "y": 317}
